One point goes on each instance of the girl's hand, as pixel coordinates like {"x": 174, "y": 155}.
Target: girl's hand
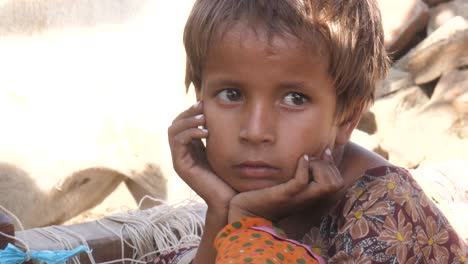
{"x": 189, "y": 158}
{"x": 277, "y": 202}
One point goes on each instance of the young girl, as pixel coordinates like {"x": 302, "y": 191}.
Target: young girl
{"x": 281, "y": 84}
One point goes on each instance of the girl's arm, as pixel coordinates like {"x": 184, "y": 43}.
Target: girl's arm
{"x": 215, "y": 221}
{"x": 189, "y": 161}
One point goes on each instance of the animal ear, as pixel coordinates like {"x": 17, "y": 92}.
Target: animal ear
{"x": 345, "y": 128}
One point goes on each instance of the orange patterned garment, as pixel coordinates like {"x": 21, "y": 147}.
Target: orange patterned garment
{"x": 255, "y": 240}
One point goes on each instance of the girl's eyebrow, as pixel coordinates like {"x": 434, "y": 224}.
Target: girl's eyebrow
{"x": 225, "y": 82}
{"x": 292, "y": 85}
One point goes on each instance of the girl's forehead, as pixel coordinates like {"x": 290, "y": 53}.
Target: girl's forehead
{"x": 249, "y": 56}
{"x": 243, "y": 35}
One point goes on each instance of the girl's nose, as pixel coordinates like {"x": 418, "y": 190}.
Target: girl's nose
{"x": 258, "y": 125}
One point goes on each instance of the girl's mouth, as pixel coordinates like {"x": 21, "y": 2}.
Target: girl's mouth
{"x": 256, "y": 169}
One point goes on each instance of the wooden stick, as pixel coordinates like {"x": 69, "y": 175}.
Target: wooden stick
{"x": 104, "y": 242}
{"x": 7, "y": 227}
{"x": 105, "y": 245}
{"x": 103, "y": 239}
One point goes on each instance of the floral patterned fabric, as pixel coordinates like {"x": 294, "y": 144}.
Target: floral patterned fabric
{"x": 386, "y": 218}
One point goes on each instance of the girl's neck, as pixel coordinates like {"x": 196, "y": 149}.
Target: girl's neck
{"x": 297, "y": 225}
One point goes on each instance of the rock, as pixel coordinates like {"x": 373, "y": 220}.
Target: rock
{"x": 369, "y": 142}
{"x": 442, "y": 13}
{"x": 415, "y": 130}
{"x": 453, "y": 88}
{"x": 444, "y": 50}
{"x": 396, "y": 80}
{"x": 393, "y": 137}
{"x": 417, "y": 139}
{"x": 402, "y": 19}
{"x": 434, "y": 2}
{"x": 388, "y": 109}
{"x": 439, "y": 116}
{"x": 367, "y": 123}
{"x": 461, "y": 103}
{"x": 413, "y": 98}
{"x": 460, "y": 128}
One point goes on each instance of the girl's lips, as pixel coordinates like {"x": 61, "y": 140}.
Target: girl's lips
{"x": 256, "y": 169}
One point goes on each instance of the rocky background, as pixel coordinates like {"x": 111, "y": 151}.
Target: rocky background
{"x": 421, "y": 112}
{"x": 420, "y": 116}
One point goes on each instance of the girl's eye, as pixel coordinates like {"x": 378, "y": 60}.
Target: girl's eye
{"x": 295, "y": 99}
{"x": 230, "y": 95}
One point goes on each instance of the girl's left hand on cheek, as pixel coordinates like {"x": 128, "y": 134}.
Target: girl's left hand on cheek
{"x": 279, "y": 201}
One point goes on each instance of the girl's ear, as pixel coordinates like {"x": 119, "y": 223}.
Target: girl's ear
{"x": 345, "y": 129}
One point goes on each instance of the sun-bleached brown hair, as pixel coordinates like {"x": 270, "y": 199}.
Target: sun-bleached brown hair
{"x": 349, "y": 31}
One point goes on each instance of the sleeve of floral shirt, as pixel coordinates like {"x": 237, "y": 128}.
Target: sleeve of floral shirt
{"x": 389, "y": 219}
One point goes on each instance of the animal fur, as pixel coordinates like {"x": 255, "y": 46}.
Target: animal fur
{"x": 78, "y": 192}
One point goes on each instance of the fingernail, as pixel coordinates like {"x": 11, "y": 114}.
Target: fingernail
{"x": 204, "y": 130}
{"x": 199, "y": 116}
{"x": 328, "y": 152}
{"x": 195, "y": 105}
{"x": 306, "y": 157}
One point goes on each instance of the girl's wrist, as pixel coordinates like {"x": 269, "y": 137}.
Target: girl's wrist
{"x": 215, "y": 220}
{"x": 217, "y": 211}
{"x": 236, "y": 213}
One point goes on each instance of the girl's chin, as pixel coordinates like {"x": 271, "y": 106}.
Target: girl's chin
{"x": 252, "y": 186}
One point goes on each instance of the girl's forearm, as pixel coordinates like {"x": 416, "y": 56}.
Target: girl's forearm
{"x": 215, "y": 221}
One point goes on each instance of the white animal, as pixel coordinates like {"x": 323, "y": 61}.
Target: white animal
{"x": 78, "y": 192}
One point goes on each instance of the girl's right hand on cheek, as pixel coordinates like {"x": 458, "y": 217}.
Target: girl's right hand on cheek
{"x": 189, "y": 158}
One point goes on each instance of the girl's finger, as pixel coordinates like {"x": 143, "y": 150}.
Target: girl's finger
{"x": 195, "y": 109}
{"x": 327, "y": 156}
{"x": 200, "y": 151}
{"x": 338, "y": 180}
{"x": 180, "y": 142}
{"x": 300, "y": 180}
{"x": 321, "y": 168}
{"x": 185, "y": 123}
{"x": 327, "y": 179}
{"x": 320, "y": 171}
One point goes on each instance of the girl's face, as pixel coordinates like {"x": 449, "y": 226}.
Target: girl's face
{"x": 266, "y": 103}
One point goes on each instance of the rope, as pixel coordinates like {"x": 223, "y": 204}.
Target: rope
{"x": 149, "y": 232}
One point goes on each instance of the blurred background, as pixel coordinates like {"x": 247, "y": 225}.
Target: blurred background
{"x": 91, "y": 83}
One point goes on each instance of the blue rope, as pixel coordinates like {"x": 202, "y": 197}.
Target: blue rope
{"x": 12, "y": 255}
